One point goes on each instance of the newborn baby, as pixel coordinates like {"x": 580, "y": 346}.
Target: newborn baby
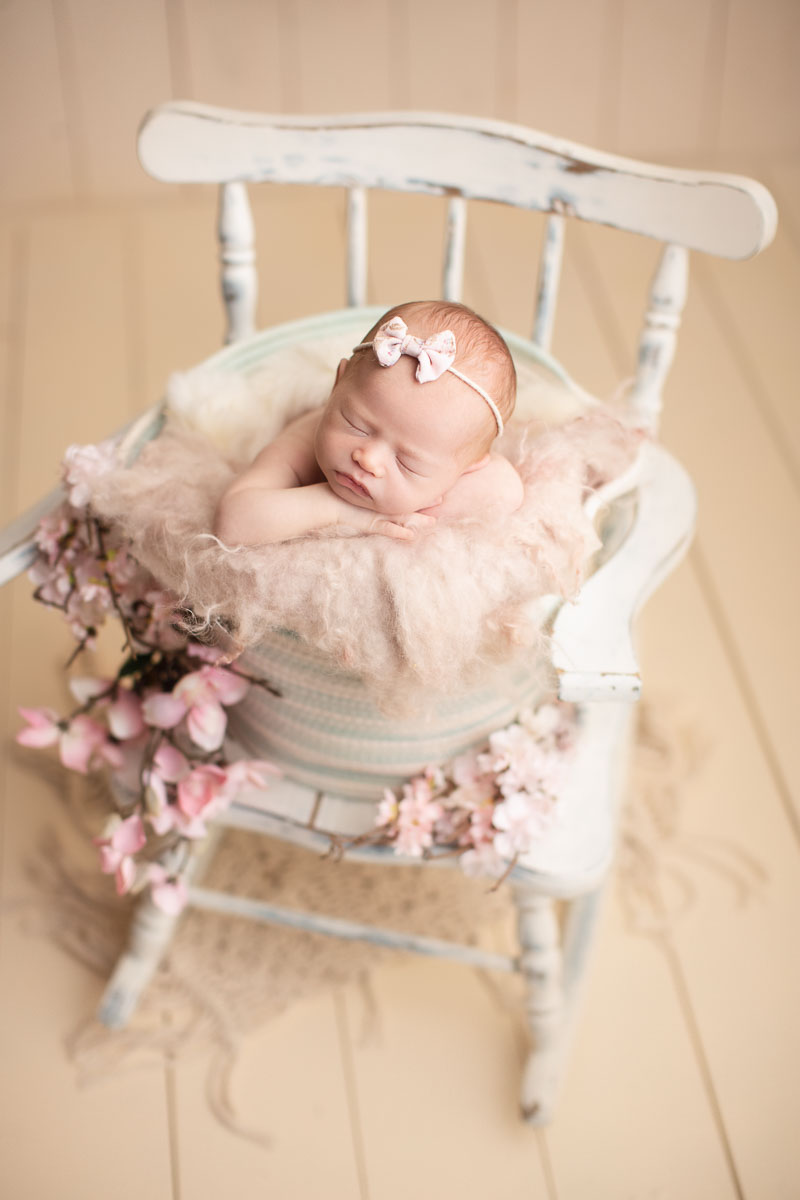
{"x": 404, "y": 438}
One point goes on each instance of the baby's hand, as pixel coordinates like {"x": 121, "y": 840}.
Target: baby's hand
{"x": 404, "y": 529}
{"x": 402, "y": 526}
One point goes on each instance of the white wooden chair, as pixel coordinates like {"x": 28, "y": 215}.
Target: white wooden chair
{"x": 592, "y": 651}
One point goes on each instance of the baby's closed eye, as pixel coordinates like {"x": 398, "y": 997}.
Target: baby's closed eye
{"x": 409, "y": 470}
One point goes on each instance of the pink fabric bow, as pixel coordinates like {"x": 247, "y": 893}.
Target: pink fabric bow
{"x": 434, "y": 355}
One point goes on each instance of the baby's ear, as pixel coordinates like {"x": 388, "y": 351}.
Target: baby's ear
{"x": 342, "y": 367}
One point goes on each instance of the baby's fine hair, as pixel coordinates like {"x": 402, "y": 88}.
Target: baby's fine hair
{"x": 480, "y": 350}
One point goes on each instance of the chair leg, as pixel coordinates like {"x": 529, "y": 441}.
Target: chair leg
{"x": 149, "y": 938}
{"x": 579, "y": 932}
{"x": 541, "y": 965}
{"x": 553, "y": 968}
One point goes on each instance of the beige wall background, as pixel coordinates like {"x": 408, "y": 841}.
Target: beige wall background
{"x": 679, "y": 80}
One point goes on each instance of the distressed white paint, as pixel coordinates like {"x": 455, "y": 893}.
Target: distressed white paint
{"x": 548, "y": 281}
{"x": 356, "y": 247}
{"x": 659, "y": 336}
{"x": 592, "y": 646}
{"x": 478, "y": 159}
{"x": 17, "y": 547}
{"x": 149, "y": 937}
{"x": 237, "y": 257}
{"x": 541, "y": 967}
{"x": 455, "y": 240}
{"x": 274, "y": 914}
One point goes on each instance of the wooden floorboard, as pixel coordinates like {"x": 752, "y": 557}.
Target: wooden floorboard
{"x": 71, "y": 337}
{"x": 749, "y": 508}
{"x": 289, "y": 1089}
{"x": 442, "y": 1128}
{"x": 730, "y": 874}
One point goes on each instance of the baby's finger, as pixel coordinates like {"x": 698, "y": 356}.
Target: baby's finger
{"x": 420, "y": 520}
{"x": 402, "y": 533}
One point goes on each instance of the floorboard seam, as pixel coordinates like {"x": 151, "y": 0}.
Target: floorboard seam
{"x": 348, "y": 1066}
{"x": 679, "y": 980}
{"x": 758, "y": 390}
{"x": 740, "y": 674}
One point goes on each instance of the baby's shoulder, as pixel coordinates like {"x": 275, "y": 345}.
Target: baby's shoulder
{"x": 504, "y": 481}
{"x": 303, "y": 427}
{"x": 292, "y": 451}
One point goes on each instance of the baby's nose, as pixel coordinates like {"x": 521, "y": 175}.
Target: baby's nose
{"x": 368, "y": 457}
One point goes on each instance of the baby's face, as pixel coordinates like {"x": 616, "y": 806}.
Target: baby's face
{"x": 388, "y": 443}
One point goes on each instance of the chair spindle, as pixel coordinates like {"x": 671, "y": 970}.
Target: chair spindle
{"x": 549, "y": 280}
{"x": 659, "y": 335}
{"x": 455, "y": 239}
{"x": 356, "y": 247}
{"x": 237, "y": 257}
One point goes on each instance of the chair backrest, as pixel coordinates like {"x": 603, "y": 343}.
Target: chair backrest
{"x": 464, "y": 159}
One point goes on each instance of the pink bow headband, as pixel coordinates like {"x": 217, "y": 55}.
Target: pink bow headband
{"x": 434, "y": 355}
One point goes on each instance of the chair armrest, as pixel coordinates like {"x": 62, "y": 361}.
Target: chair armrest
{"x": 17, "y": 545}
{"x": 593, "y": 652}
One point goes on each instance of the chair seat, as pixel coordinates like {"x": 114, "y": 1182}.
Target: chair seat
{"x": 569, "y": 859}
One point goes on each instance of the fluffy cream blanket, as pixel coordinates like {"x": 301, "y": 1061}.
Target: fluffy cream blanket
{"x": 411, "y": 619}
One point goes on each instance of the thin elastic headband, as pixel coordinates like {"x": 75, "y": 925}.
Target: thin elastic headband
{"x": 434, "y": 356}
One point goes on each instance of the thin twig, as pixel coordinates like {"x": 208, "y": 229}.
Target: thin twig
{"x": 111, "y": 589}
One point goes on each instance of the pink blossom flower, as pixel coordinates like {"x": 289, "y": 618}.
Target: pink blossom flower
{"x": 544, "y": 722}
{"x": 131, "y": 752}
{"x": 435, "y": 777}
{"x": 520, "y": 762}
{"x": 202, "y": 795}
{"x": 124, "y": 717}
{"x": 483, "y": 860}
{"x": 84, "y": 744}
{"x": 474, "y": 784}
{"x": 43, "y": 728}
{"x": 169, "y": 892}
{"x": 83, "y": 467}
{"x": 123, "y": 839}
{"x": 50, "y": 531}
{"x": 86, "y": 688}
{"x": 481, "y": 828}
{"x": 417, "y": 815}
{"x": 198, "y": 696}
{"x": 520, "y": 820}
{"x": 251, "y": 772}
{"x": 211, "y": 684}
{"x": 162, "y": 710}
{"x": 125, "y": 876}
{"x": 206, "y": 724}
{"x": 170, "y": 764}
{"x": 388, "y": 809}
{"x": 163, "y": 816}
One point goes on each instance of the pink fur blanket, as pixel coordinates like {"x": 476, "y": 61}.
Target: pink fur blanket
{"x": 411, "y": 619}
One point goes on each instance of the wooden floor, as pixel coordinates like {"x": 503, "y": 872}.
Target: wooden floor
{"x": 685, "y": 1080}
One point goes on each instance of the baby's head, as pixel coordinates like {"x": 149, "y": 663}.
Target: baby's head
{"x": 390, "y": 442}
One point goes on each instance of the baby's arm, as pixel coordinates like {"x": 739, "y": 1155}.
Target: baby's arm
{"x": 268, "y": 502}
{"x": 275, "y": 499}
{"x": 492, "y": 486}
